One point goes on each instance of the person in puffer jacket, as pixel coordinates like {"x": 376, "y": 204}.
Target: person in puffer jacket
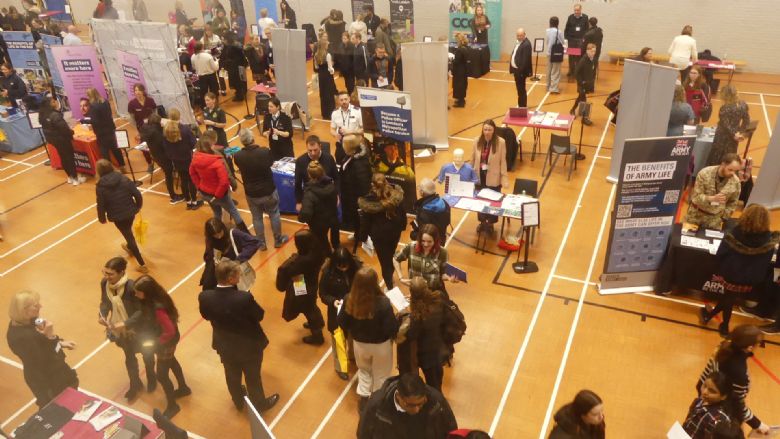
{"x": 118, "y": 200}
{"x": 382, "y": 218}
{"x": 744, "y": 259}
{"x": 319, "y": 207}
{"x": 431, "y": 209}
{"x": 210, "y": 177}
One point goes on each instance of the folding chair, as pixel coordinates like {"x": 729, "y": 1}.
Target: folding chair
{"x": 560, "y": 146}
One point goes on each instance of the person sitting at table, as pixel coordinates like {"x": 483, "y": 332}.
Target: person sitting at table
{"x": 715, "y": 193}
{"x": 460, "y": 71}
{"x": 60, "y": 135}
{"x": 645, "y": 55}
{"x": 733, "y": 120}
{"x": 458, "y": 166}
{"x": 141, "y": 107}
{"x": 743, "y": 260}
{"x": 479, "y": 25}
{"x": 11, "y": 84}
{"x": 313, "y": 153}
{"x": 277, "y": 127}
{"x": 697, "y": 93}
{"x": 102, "y": 121}
{"x": 430, "y": 209}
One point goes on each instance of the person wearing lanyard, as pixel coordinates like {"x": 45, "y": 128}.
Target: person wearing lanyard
{"x": 141, "y": 108}
{"x": 214, "y": 118}
{"x": 277, "y": 126}
{"x": 344, "y": 120}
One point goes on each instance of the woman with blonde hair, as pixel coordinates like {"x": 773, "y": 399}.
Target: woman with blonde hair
{"x": 32, "y": 339}
{"x": 368, "y": 317}
{"x": 102, "y": 121}
{"x": 480, "y": 23}
{"x": 733, "y": 120}
{"x": 460, "y": 71}
{"x": 323, "y": 66}
{"x": 178, "y": 142}
{"x": 382, "y": 219}
{"x": 744, "y": 256}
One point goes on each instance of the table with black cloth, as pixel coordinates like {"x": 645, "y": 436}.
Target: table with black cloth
{"x": 686, "y": 267}
{"x": 478, "y": 56}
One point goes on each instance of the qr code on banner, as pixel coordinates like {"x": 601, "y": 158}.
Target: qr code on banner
{"x": 624, "y": 210}
{"x": 671, "y": 197}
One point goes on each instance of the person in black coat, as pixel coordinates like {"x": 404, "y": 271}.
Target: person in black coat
{"x": 382, "y": 218}
{"x": 11, "y": 85}
{"x": 354, "y": 179}
{"x": 381, "y": 68}
{"x": 360, "y": 58}
{"x": 586, "y": 78}
{"x": 520, "y": 66}
{"x": 178, "y": 142}
{"x": 121, "y": 314}
{"x": 594, "y": 35}
{"x": 426, "y": 319}
{"x": 32, "y": 339}
{"x": 314, "y": 152}
{"x": 238, "y": 338}
{"x": 277, "y": 126}
{"x": 60, "y": 135}
{"x": 576, "y": 26}
{"x": 460, "y": 71}
{"x": 336, "y": 278}
{"x": 399, "y": 70}
{"x": 345, "y": 61}
{"x": 152, "y": 133}
{"x": 371, "y": 20}
{"x": 744, "y": 259}
{"x": 288, "y": 19}
{"x": 102, "y": 121}
{"x": 118, "y": 200}
{"x": 583, "y": 418}
{"x": 426, "y": 413}
{"x": 297, "y": 278}
{"x": 319, "y": 207}
{"x": 234, "y": 61}
{"x": 258, "y": 60}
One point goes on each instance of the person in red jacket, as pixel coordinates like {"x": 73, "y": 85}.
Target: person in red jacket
{"x": 210, "y": 176}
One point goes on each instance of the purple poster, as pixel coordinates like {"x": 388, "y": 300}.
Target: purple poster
{"x": 79, "y": 70}
{"x": 132, "y": 72}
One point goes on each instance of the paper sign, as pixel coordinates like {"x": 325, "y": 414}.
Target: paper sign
{"x": 530, "y": 214}
{"x": 538, "y": 44}
{"x": 397, "y": 299}
{"x": 122, "y": 140}
{"x": 677, "y": 432}
{"x": 455, "y": 272}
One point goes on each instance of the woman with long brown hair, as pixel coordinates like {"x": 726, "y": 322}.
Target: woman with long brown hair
{"x": 427, "y": 258}
{"x": 368, "y": 317}
{"x": 382, "y": 219}
{"x": 323, "y": 66}
{"x": 480, "y": 23}
{"x": 489, "y": 157}
{"x": 731, "y": 359}
{"x": 424, "y": 346}
{"x": 744, "y": 256}
{"x": 102, "y": 121}
{"x": 697, "y": 93}
{"x": 583, "y": 418}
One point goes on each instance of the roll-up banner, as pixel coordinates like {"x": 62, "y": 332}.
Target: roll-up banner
{"x": 402, "y": 20}
{"x": 648, "y": 194}
{"x": 132, "y": 72}
{"x": 79, "y": 69}
{"x": 388, "y": 115}
{"x": 462, "y": 13}
{"x": 48, "y": 42}
{"x": 290, "y": 66}
{"x": 357, "y": 7}
{"x": 25, "y": 59}
{"x": 428, "y": 63}
{"x": 767, "y": 188}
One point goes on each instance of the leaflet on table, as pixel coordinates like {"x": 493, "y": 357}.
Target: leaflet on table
{"x": 397, "y": 299}
{"x": 537, "y": 118}
{"x": 87, "y": 410}
{"x": 490, "y": 194}
{"x": 549, "y": 118}
{"x": 717, "y": 234}
{"x": 105, "y": 418}
{"x": 714, "y": 246}
{"x": 692, "y": 241}
{"x": 491, "y": 210}
{"x": 514, "y": 202}
{"x": 454, "y": 186}
{"x": 471, "y": 204}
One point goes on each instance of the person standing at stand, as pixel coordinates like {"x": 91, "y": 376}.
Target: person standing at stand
{"x": 594, "y": 35}
{"x": 11, "y": 85}
{"x": 102, "y": 121}
{"x": 152, "y": 133}
{"x": 288, "y": 19}
{"x": 460, "y": 71}
{"x": 354, "y": 179}
{"x": 697, "y": 93}
{"x": 360, "y": 58}
{"x": 323, "y": 66}
{"x": 60, "y": 135}
{"x": 683, "y": 51}
{"x": 576, "y": 26}
{"x": 141, "y": 107}
{"x": 206, "y": 67}
{"x": 733, "y": 120}
{"x": 520, "y": 66}
{"x": 319, "y": 207}
{"x": 214, "y": 118}
{"x": 586, "y": 79}
{"x": 258, "y": 60}
{"x": 178, "y": 142}
{"x": 554, "y": 62}
{"x": 480, "y": 24}
{"x": 345, "y": 61}
{"x": 345, "y": 120}
{"x": 313, "y": 153}
{"x": 234, "y": 61}
{"x": 277, "y": 127}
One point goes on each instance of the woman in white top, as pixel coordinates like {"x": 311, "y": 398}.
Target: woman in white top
{"x": 683, "y": 50}
{"x": 359, "y": 26}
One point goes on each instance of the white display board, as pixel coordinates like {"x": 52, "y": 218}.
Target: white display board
{"x": 289, "y": 46}
{"x": 425, "y": 73}
{"x": 767, "y": 186}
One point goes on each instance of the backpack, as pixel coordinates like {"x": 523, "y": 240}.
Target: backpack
{"x": 454, "y": 324}
{"x": 556, "y": 50}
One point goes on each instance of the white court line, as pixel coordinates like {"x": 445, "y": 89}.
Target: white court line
{"x": 333, "y": 408}
{"x": 455, "y": 230}
{"x": 14, "y": 163}
{"x": 17, "y": 413}
{"x": 603, "y": 157}
{"x": 10, "y": 362}
{"x": 766, "y": 115}
{"x": 461, "y": 138}
{"x": 573, "y": 329}
{"x": 22, "y": 171}
{"x": 545, "y": 290}
{"x": 46, "y": 231}
{"x": 754, "y": 93}
{"x": 300, "y": 388}
{"x": 571, "y": 279}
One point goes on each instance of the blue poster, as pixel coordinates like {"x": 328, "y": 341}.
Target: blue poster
{"x": 25, "y": 59}
{"x": 48, "y": 41}
{"x": 389, "y": 111}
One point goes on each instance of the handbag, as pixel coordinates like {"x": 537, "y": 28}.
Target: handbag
{"x": 556, "y": 50}
{"x": 140, "y": 226}
{"x": 706, "y": 110}
{"x": 248, "y": 275}
{"x": 340, "y": 349}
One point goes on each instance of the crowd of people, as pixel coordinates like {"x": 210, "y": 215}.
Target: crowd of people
{"x": 341, "y": 192}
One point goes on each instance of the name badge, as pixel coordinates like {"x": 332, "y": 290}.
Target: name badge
{"x": 577, "y": 28}
{"x": 299, "y": 285}
{"x": 484, "y": 167}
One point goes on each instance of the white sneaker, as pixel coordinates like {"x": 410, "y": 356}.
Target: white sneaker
{"x": 70, "y": 180}
{"x": 82, "y": 178}
{"x": 74, "y": 182}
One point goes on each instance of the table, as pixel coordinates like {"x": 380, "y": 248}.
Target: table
{"x": 262, "y": 88}
{"x": 563, "y": 122}
{"x": 284, "y": 180}
{"x": 85, "y": 152}
{"x": 72, "y": 400}
{"x": 686, "y": 267}
{"x": 478, "y": 57}
{"x": 701, "y": 148}
{"x": 19, "y": 136}
{"x": 730, "y": 66}
{"x": 574, "y": 51}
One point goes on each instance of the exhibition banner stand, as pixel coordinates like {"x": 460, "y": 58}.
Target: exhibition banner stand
{"x": 402, "y": 20}
{"x": 461, "y": 14}
{"x": 290, "y": 66}
{"x": 428, "y": 63}
{"x": 388, "y": 115}
{"x": 48, "y": 42}
{"x": 132, "y": 72}
{"x": 645, "y": 102}
{"x": 648, "y": 194}
{"x": 79, "y": 70}
{"x": 767, "y": 188}
{"x": 25, "y": 59}
{"x": 357, "y": 7}
{"x": 154, "y": 44}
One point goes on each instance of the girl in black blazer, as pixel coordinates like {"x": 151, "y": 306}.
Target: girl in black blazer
{"x": 586, "y": 78}
{"x": 102, "y": 121}
{"x": 277, "y": 126}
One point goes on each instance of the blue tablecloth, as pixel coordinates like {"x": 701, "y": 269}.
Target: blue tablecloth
{"x": 20, "y": 137}
{"x": 285, "y": 186}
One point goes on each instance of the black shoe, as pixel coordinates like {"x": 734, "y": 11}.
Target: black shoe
{"x": 587, "y": 122}
{"x": 269, "y": 402}
{"x": 704, "y": 315}
{"x": 772, "y": 329}
{"x": 181, "y": 392}
{"x": 132, "y": 392}
{"x": 151, "y": 385}
{"x": 315, "y": 338}
{"x": 176, "y": 199}
{"x": 239, "y": 405}
{"x": 283, "y": 240}
{"x": 459, "y": 104}
{"x": 723, "y": 330}
{"x": 753, "y": 311}
{"x": 172, "y": 431}
{"x": 197, "y": 204}
{"x": 171, "y": 410}
{"x": 343, "y": 375}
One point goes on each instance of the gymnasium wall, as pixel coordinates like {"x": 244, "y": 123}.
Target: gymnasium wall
{"x": 741, "y": 30}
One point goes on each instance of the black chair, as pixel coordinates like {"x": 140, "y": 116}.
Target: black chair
{"x": 261, "y": 103}
{"x": 560, "y": 146}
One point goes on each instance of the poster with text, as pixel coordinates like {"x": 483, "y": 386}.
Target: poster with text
{"x": 648, "y": 193}
{"x": 79, "y": 69}
{"x": 357, "y": 7}
{"x": 25, "y": 59}
{"x": 132, "y": 72}
{"x": 402, "y": 20}
{"x": 462, "y": 14}
{"x": 48, "y": 42}
{"x": 387, "y": 115}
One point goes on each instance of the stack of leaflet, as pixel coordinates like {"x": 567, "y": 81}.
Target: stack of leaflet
{"x": 285, "y": 165}
{"x": 549, "y": 118}
{"x": 513, "y": 203}
{"x": 537, "y": 118}
{"x": 457, "y": 188}
{"x": 471, "y": 204}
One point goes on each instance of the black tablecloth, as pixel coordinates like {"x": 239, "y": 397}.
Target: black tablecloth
{"x": 479, "y": 58}
{"x": 686, "y": 267}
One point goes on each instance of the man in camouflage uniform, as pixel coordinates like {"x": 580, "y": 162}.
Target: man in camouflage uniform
{"x": 715, "y": 194}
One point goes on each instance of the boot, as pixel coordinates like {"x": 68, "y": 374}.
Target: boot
{"x": 132, "y": 392}
{"x": 172, "y": 409}
{"x": 723, "y": 330}
{"x": 182, "y": 391}
{"x": 315, "y": 338}
{"x": 171, "y": 430}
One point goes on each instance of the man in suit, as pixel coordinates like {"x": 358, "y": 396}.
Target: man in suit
{"x": 520, "y": 66}
{"x": 313, "y": 152}
{"x": 238, "y": 337}
{"x": 576, "y": 26}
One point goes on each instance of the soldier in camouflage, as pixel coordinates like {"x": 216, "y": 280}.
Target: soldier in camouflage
{"x": 715, "y": 194}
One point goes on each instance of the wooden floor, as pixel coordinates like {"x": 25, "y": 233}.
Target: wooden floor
{"x": 533, "y": 340}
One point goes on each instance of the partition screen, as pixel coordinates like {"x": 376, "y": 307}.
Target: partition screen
{"x": 289, "y": 46}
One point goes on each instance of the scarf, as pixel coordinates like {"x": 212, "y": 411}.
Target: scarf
{"x": 114, "y": 293}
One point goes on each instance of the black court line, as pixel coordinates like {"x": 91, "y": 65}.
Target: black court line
{"x": 34, "y": 197}
{"x": 460, "y": 241}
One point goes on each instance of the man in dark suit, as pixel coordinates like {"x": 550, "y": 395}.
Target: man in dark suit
{"x": 313, "y": 152}
{"x": 576, "y": 26}
{"x": 520, "y": 66}
{"x": 238, "y": 338}
{"x": 360, "y": 58}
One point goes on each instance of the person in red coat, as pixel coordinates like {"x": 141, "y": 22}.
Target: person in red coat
{"x": 209, "y": 174}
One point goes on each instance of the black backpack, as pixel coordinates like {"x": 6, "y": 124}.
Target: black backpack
{"x": 556, "y": 50}
{"x": 454, "y": 324}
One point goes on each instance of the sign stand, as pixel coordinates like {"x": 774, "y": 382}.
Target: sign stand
{"x": 538, "y": 47}
{"x": 583, "y": 110}
{"x": 123, "y": 144}
{"x": 530, "y": 215}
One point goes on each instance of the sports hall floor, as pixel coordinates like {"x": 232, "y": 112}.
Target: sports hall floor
{"x": 533, "y": 340}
